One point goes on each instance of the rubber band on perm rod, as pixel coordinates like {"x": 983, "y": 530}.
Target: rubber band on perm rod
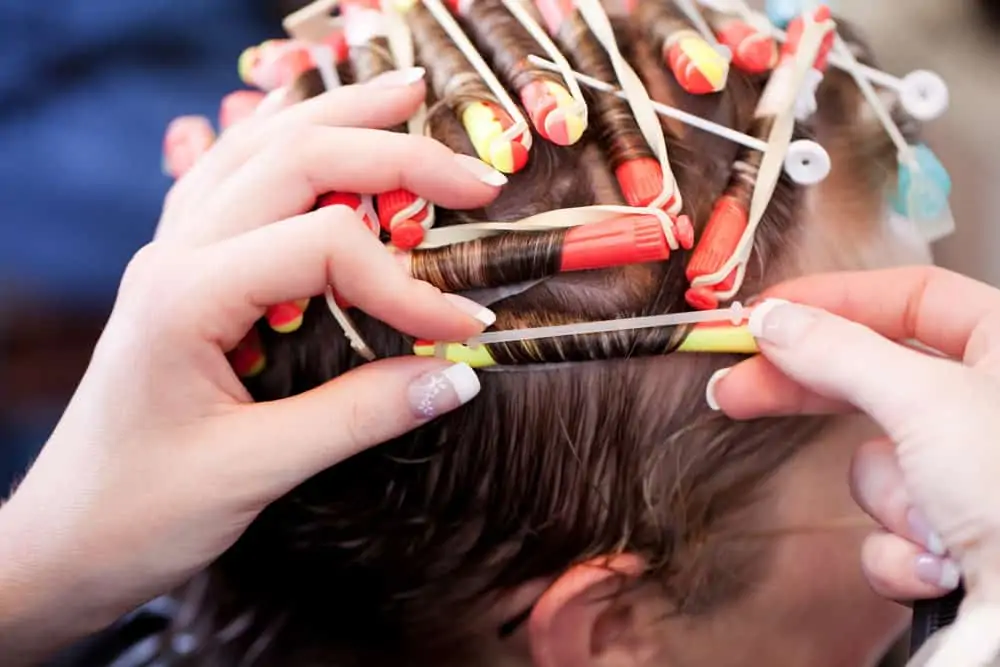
{"x": 401, "y": 47}
{"x": 562, "y": 66}
{"x": 520, "y": 129}
{"x": 638, "y": 100}
{"x": 313, "y": 24}
{"x": 773, "y": 161}
{"x": 564, "y": 218}
{"x": 358, "y": 343}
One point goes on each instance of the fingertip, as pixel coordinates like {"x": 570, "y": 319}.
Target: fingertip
{"x": 481, "y": 171}
{"x": 427, "y": 313}
{"x": 438, "y": 392}
{"x": 710, "y": 388}
{"x": 483, "y": 315}
{"x": 900, "y": 570}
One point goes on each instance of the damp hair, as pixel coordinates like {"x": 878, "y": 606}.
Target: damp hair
{"x": 388, "y": 557}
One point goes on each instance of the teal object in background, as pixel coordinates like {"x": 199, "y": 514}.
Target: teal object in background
{"x": 930, "y": 199}
{"x": 781, "y": 12}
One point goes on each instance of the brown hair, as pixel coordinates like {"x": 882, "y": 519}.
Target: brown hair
{"x": 620, "y": 134}
{"x": 383, "y": 558}
{"x": 505, "y": 43}
{"x": 453, "y": 79}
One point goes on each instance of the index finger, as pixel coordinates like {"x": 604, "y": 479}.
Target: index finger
{"x": 230, "y": 283}
{"x": 942, "y": 309}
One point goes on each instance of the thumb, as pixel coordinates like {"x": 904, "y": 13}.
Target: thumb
{"x": 847, "y": 361}
{"x": 285, "y": 442}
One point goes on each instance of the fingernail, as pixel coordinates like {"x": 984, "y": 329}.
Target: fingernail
{"x": 273, "y": 101}
{"x": 937, "y": 571}
{"x": 779, "y": 322}
{"x": 470, "y": 307}
{"x": 921, "y": 530}
{"x": 435, "y": 393}
{"x": 398, "y": 78}
{"x": 710, "y": 387}
{"x": 482, "y": 171}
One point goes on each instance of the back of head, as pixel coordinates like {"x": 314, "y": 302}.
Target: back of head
{"x": 577, "y": 449}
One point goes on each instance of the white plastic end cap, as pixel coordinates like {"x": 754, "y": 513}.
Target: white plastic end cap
{"x": 807, "y": 163}
{"x": 924, "y": 95}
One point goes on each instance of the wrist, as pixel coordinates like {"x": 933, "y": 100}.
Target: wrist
{"x": 42, "y": 607}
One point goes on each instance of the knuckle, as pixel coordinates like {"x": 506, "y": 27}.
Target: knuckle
{"x": 144, "y": 267}
{"x": 158, "y": 283}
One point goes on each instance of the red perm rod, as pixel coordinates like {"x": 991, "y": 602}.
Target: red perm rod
{"x": 754, "y": 51}
{"x": 730, "y": 217}
{"x": 402, "y": 214}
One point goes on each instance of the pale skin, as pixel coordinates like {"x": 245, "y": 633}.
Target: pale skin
{"x": 161, "y": 461}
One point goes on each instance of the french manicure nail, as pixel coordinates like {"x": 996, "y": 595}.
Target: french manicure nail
{"x": 710, "y": 387}
{"x": 398, "y": 78}
{"x": 482, "y": 171}
{"x": 779, "y": 322}
{"x": 921, "y": 530}
{"x": 470, "y": 307}
{"x": 435, "y": 393}
{"x": 937, "y": 571}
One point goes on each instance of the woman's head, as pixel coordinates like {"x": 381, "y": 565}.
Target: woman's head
{"x": 588, "y": 508}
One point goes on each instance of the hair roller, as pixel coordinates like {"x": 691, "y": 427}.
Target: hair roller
{"x": 696, "y": 65}
{"x": 402, "y": 214}
{"x": 456, "y": 83}
{"x": 636, "y": 169}
{"x": 507, "y": 44}
{"x": 522, "y": 256}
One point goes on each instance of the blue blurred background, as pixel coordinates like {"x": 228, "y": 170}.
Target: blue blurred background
{"x": 87, "y": 88}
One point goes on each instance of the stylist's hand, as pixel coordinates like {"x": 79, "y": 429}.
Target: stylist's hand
{"x": 161, "y": 460}
{"x": 934, "y": 482}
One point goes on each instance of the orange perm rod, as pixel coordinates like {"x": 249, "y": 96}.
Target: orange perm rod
{"x": 625, "y": 239}
{"x": 553, "y": 111}
{"x": 726, "y": 231}
{"x": 754, "y": 51}
{"x": 698, "y": 67}
{"x": 402, "y": 214}
{"x": 278, "y": 62}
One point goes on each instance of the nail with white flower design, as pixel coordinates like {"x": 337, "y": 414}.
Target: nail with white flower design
{"x": 435, "y": 393}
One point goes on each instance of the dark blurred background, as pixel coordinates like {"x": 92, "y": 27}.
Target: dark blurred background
{"x": 87, "y": 88}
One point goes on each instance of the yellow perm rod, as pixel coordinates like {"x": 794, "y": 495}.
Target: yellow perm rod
{"x": 716, "y": 331}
